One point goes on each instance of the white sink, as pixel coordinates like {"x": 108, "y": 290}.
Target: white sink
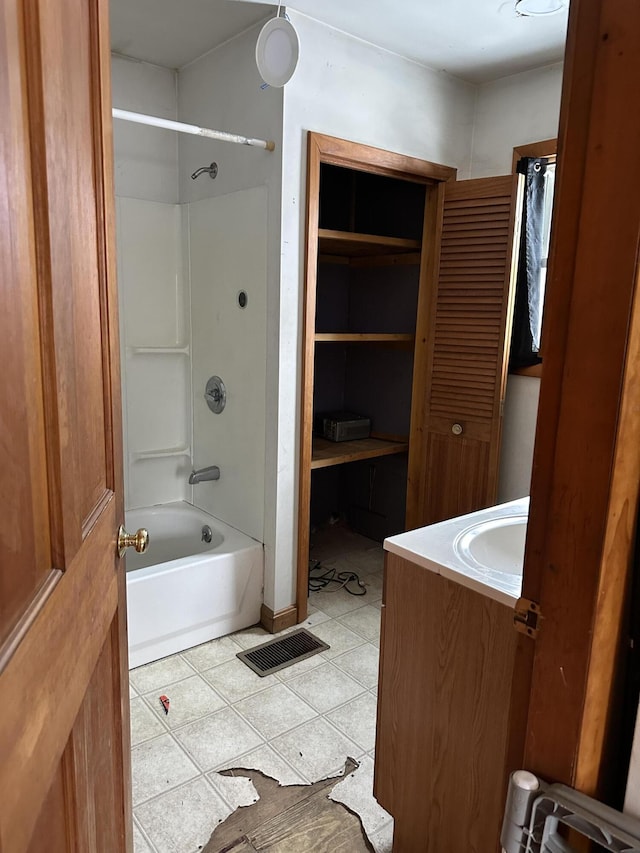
{"x": 495, "y": 545}
{"x": 483, "y": 550}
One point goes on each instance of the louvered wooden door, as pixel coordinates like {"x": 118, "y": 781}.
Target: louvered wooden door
{"x": 469, "y": 337}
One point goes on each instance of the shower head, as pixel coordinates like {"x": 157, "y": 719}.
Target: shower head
{"x": 212, "y": 170}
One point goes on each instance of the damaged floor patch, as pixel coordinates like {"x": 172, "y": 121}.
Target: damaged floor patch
{"x": 356, "y": 793}
{"x": 291, "y": 819}
{"x": 238, "y": 791}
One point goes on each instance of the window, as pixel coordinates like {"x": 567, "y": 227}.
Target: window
{"x": 539, "y": 176}
{"x": 549, "y": 185}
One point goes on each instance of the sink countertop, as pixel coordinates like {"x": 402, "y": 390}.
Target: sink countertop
{"x": 432, "y": 548}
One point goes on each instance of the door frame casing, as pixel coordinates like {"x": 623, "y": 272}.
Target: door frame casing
{"x": 363, "y": 158}
{"x": 586, "y": 466}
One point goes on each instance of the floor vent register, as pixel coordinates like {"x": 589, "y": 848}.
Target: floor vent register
{"x": 285, "y": 651}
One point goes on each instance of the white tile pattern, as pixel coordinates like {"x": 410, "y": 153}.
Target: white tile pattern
{"x": 364, "y": 621}
{"x": 337, "y": 604}
{"x": 316, "y": 749}
{"x": 190, "y": 700}
{"x": 144, "y": 724}
{"x": 182, "y": 820}
{"x": 140, "y": 844}
{"x": 160, "y": 673}
{"x": 356, "y": 792}
{"x": 338, "y": 636}
{"x": 361, "y": 663}
{"x": 158, "y": 765}
{"x": 325, "y": 687}
{"x": 209, "y": 655}
{"x": 357, "y": 720}
{"x": 297, "y": 726}
{"x": 235, "y": 790}
{"x": 275, "y": 711}
{"x": 267, "y": 761}
{"x": 218, "y": 738}
{"x": 234, "y": 680}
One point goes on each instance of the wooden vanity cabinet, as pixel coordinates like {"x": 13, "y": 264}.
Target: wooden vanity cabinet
{"x": 448, "y": 698}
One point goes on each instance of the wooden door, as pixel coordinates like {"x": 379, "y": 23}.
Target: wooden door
{"x": 468, "y": 337}
{"x": 586, "y": 466}
{"x": 64, "y": 751}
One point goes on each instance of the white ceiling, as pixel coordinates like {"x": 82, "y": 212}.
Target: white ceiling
{"x": 478, "y": 40}
{"x": 174, "y": 32}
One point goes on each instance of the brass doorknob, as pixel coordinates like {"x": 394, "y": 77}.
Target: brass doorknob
{"x": 138, "y": 540}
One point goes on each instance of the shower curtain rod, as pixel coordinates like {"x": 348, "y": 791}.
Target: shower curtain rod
{"x": 181, "y": 127}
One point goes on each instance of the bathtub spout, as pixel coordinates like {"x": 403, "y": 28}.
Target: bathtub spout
{"x": 210, "y": 473}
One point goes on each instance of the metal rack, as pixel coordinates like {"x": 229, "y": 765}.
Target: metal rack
{"x": 536, "y": 811}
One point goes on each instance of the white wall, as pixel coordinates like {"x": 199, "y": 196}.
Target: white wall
{"x": 228, "y": 251}
{"x": 153, "y": 291}
{"x": 146, "y": 158}
{"x": 222, "y": 90}
{"x": 514, "y": 111}
{"x": 346, "y": 88}
{"x": 518, "y": 436}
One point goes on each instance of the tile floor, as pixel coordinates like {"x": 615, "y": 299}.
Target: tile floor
{"x": 298, "y": 725}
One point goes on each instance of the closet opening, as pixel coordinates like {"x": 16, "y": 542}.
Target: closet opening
{"x": 370, "y": 265}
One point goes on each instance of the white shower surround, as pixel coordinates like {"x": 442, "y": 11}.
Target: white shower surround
{"x": 156, "y": 276}
{"x": 191, "y": 599}
{"x": 227, "y": 251}
{"x": 155, "y": 352}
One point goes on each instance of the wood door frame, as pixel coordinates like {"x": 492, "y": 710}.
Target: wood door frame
{"x": 547, "y": 148}
{"x": 106, "y": 183}
{"x": 586, "y": 467}
{"x": 363, "y": 158}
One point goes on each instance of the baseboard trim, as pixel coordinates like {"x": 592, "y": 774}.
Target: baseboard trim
{"x": 278, "y": 621}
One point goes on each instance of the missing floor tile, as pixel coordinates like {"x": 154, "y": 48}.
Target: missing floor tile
{"x": 280, "y": 653}
{"x": 298, "y": 817}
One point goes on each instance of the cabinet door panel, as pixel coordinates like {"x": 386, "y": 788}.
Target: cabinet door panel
{"x": 448, "y": 670}
{"x": 447, "y": 495}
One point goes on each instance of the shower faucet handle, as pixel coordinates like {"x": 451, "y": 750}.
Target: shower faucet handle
{"x": 215, "y": 394}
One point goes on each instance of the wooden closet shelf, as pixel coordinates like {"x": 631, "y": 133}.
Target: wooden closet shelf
{"x": 362, "y": 337}
{"x": 326, "y": 453}
{"x": 348, "y": 244}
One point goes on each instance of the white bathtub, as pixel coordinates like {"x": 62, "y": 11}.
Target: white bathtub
{"x": 184, "y": 591}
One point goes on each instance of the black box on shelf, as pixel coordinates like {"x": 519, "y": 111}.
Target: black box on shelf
{"x": 342, "y": 426}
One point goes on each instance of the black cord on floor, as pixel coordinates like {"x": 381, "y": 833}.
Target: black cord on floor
{"x": 328, "y": 575}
